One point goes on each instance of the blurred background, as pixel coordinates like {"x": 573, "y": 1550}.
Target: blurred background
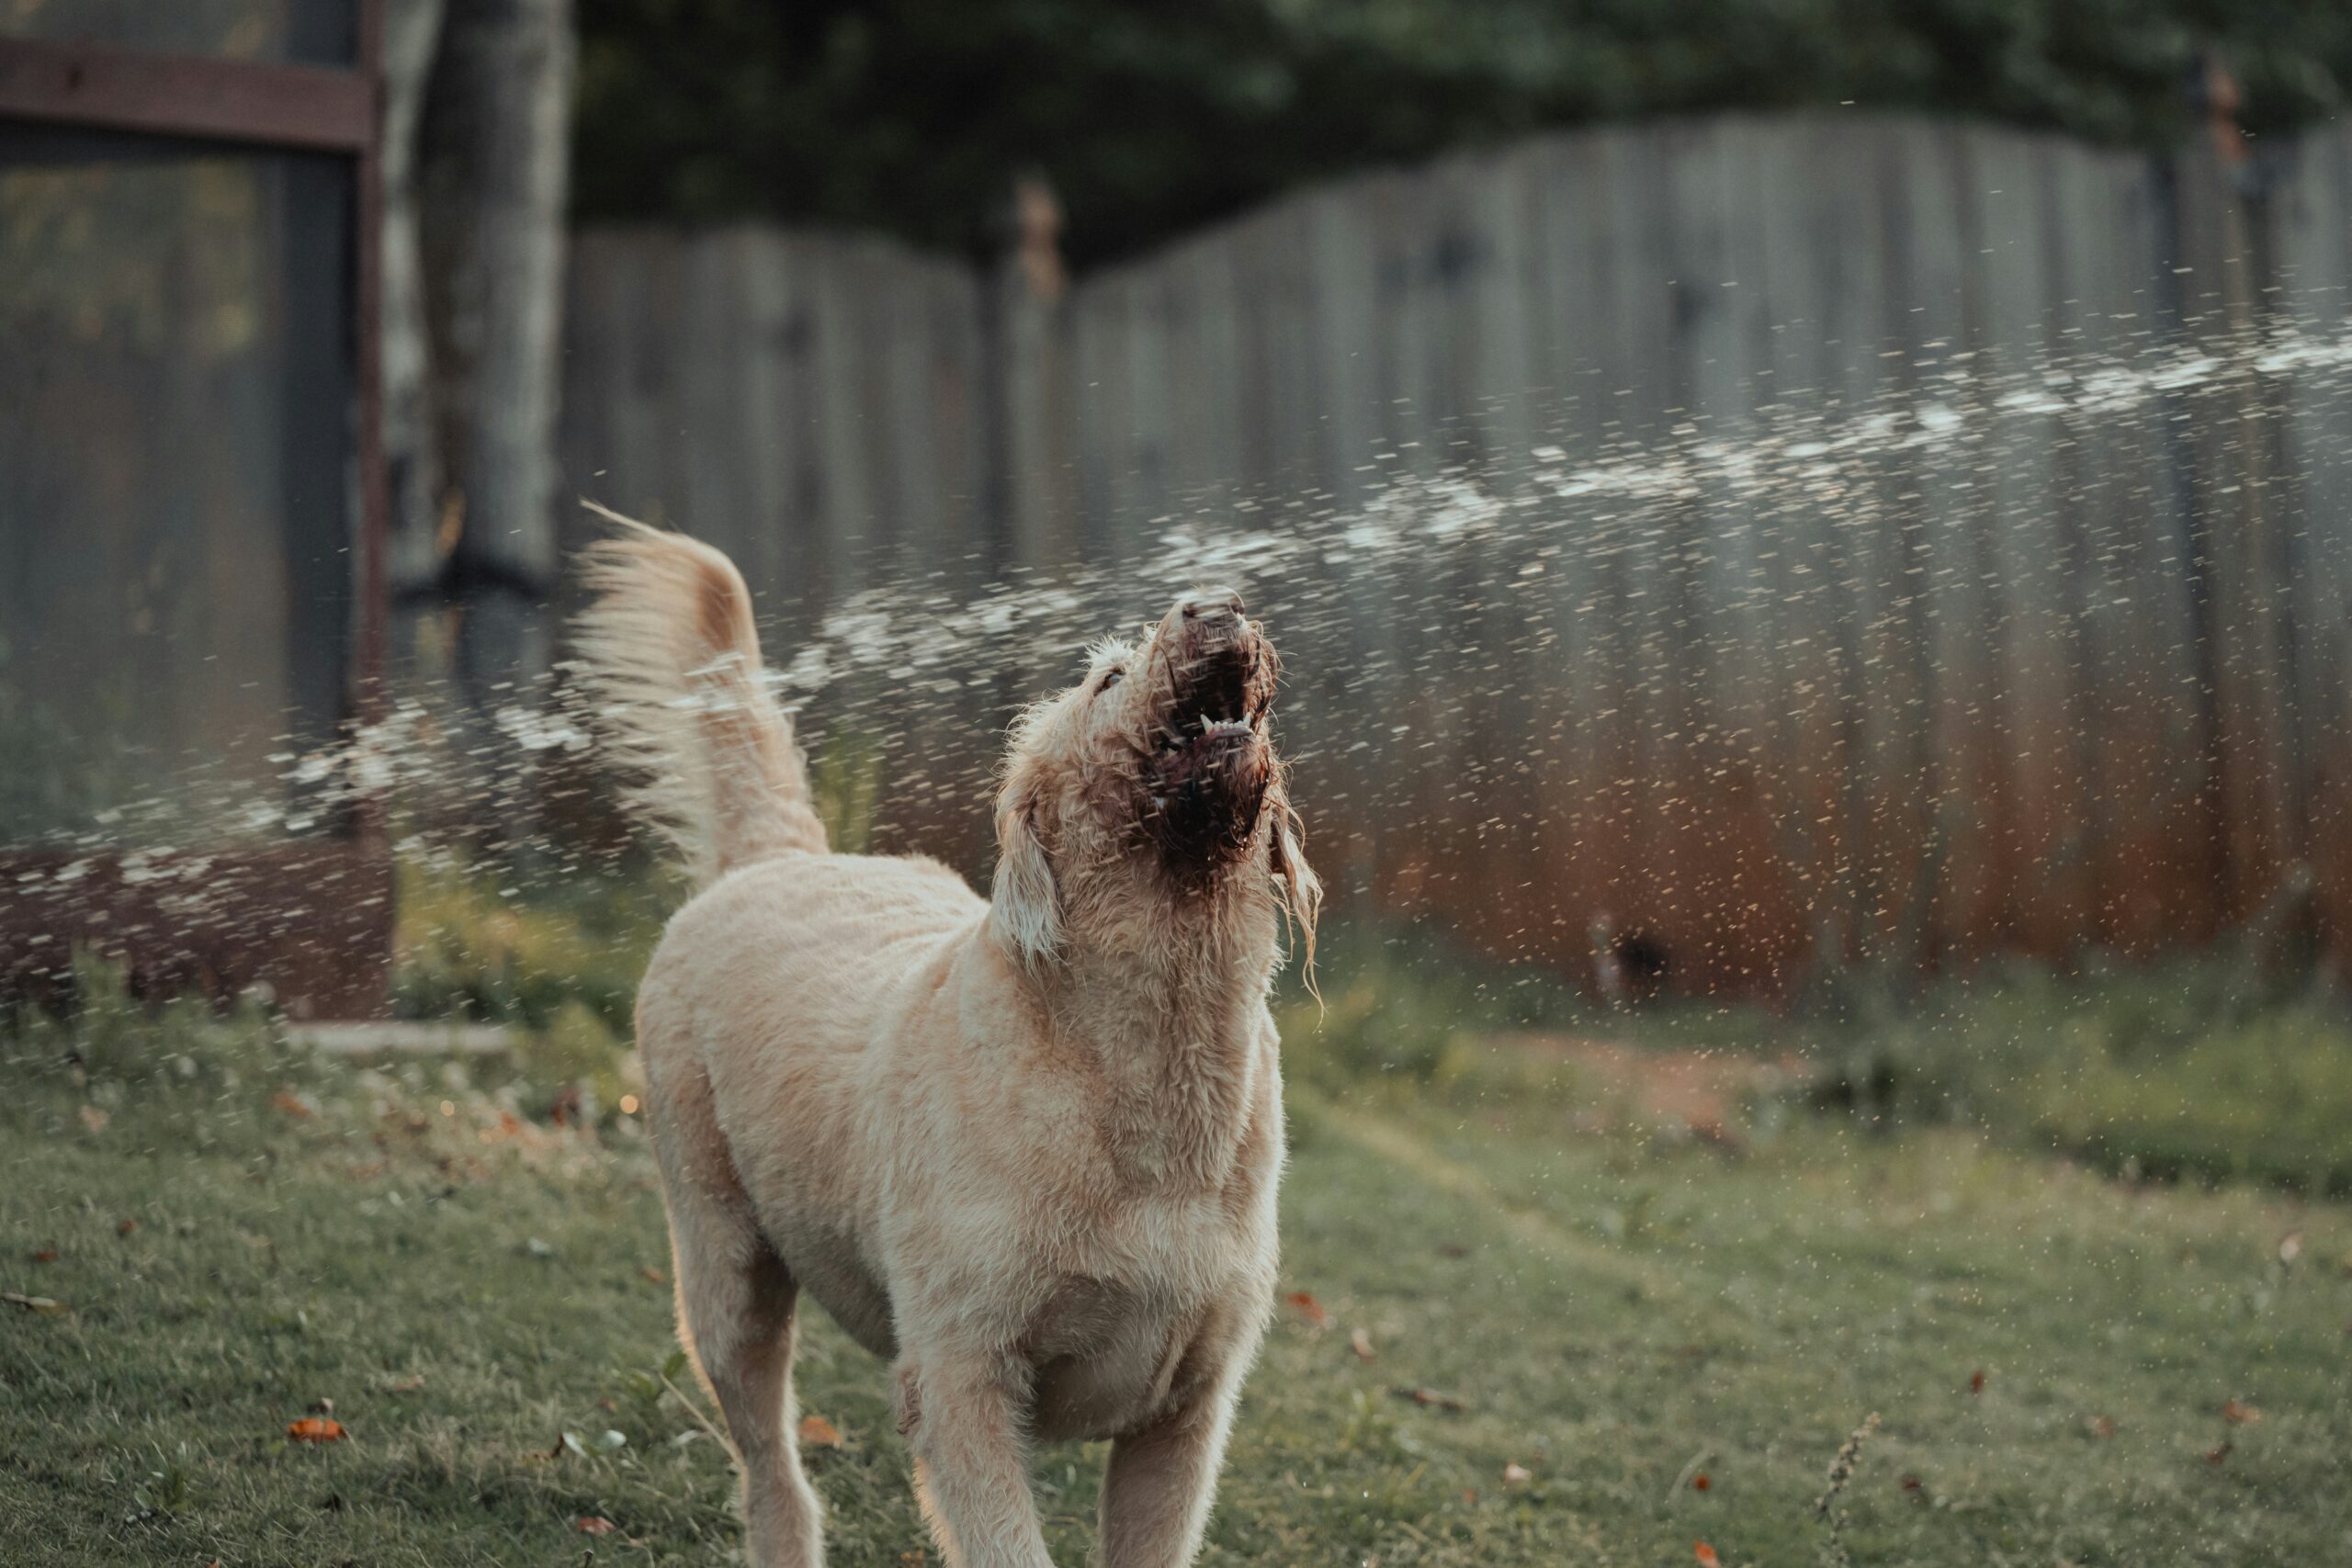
{"x": 1811, "y": 539}
{"x": 1746, "y": 490}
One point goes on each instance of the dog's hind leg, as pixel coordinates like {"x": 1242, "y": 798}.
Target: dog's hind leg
{"x": 735, "y": 1317}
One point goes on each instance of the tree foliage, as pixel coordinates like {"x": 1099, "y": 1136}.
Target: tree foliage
{"x": 1148, "y": 116}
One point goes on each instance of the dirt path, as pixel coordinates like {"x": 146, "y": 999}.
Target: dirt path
{"x": 1698, "y": 1092}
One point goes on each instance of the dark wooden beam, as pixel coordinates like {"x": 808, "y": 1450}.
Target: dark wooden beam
{"x": 303, "y": 107}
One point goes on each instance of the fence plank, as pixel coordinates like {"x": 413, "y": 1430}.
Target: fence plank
{"x": 1847, "y": 553}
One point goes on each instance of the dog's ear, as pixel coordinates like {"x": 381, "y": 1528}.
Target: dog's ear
{"x": 1302, "y": 889}
{"x": 1025, "y": 910}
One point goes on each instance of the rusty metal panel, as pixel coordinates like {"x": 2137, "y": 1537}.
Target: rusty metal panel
{"x": 310, "y": 923}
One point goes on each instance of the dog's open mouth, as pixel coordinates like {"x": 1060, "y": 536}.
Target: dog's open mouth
{"x": 1207, "y": 776}
{"x": 1213, "y": 700}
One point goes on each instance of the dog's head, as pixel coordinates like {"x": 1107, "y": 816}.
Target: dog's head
{"x": 1150, "y": 792}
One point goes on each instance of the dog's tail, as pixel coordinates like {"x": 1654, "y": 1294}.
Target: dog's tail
{"x": 670, "y": 662}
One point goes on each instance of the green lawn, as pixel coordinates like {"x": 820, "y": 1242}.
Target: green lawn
{"x": 1613, "y": 1314}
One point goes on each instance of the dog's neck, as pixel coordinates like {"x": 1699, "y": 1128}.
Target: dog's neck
{"x": 1171, "y": 1012}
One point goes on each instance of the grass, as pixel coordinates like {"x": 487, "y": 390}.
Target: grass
{"x": 519, "y": 949}
{"x": 2204, "y": 1066}
{"x": 237, "y": 1234}
{"x": 2210, "y": 1067}
{"x": 2198, "y": 1067}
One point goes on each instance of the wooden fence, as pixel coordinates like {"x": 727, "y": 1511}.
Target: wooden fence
{"x": 1724, "y": 544}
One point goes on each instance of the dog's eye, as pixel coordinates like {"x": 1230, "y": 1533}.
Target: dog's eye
{"x": 1110, "y": 679}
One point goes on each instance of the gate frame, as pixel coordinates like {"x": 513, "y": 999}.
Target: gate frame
{"x": 274, "y": 107}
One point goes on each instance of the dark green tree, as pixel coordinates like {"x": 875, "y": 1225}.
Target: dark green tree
{"x": 1152, "y": 116}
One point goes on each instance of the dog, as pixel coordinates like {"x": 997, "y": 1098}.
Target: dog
{"x": 1025, "y": 1148}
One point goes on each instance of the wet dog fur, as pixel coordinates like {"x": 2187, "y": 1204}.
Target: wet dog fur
{"x": 1024, "y": 1148}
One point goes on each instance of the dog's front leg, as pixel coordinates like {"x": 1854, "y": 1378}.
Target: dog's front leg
{"x": 1161, "y": 1479}
{"x": 961, "y": 1415}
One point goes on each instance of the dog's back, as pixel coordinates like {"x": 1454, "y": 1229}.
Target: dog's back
{"x": 761, "y": 997}
{"x": 775, "y": 1001}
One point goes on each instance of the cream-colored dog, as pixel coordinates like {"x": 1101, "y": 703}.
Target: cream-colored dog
{"x": 1025, "y": 1148}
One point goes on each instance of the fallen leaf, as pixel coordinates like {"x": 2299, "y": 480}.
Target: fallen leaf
{"x": 1705, "y": 1554}
{"x": 407, "y": 1384}
{"x": 654, "y": 1276}
{"x": 46, "y": 1254}
{"x": 1309, "y": 1308}
{"x": 594, "y": 1524}
{"x": 317, "y": 1429}
{"x": 95, "y": 1119}
{"x": 1361, "y": 1343}
{"x": 1429, "y": 1397}
{"x": 2238, "y": 1415}
{"x": 815, "y": 1432}
{"x": 1700, "y": 1482}
{"x": 2215, "y": 1456}
{"x": 1515, "y": 1472}
{"x": 33, "y": 1304}
{"x": 1976, "y": 1381}
{"x": 126, "y": 1227}
{"x": 291, "y": 1104}
{"x": 1911, "y": 1483}
{"x": 2103, "y": 1426}
{"x": 2290, "y": 1248}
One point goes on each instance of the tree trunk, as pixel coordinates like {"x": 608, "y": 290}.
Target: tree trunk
{"x": 412, "y": 454}
{"x": 494, "y": 166}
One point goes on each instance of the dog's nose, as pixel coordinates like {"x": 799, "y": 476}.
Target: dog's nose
{"x": 1213, "y": 605}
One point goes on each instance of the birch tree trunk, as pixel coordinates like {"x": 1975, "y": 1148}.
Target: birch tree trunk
{"x": 493, "y": 171}
{"x": 412, "y": 452}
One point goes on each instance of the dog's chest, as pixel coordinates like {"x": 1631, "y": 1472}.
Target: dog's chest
{"x": 1127, "y": 1298}
{"x": 1103, "y": 1355}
